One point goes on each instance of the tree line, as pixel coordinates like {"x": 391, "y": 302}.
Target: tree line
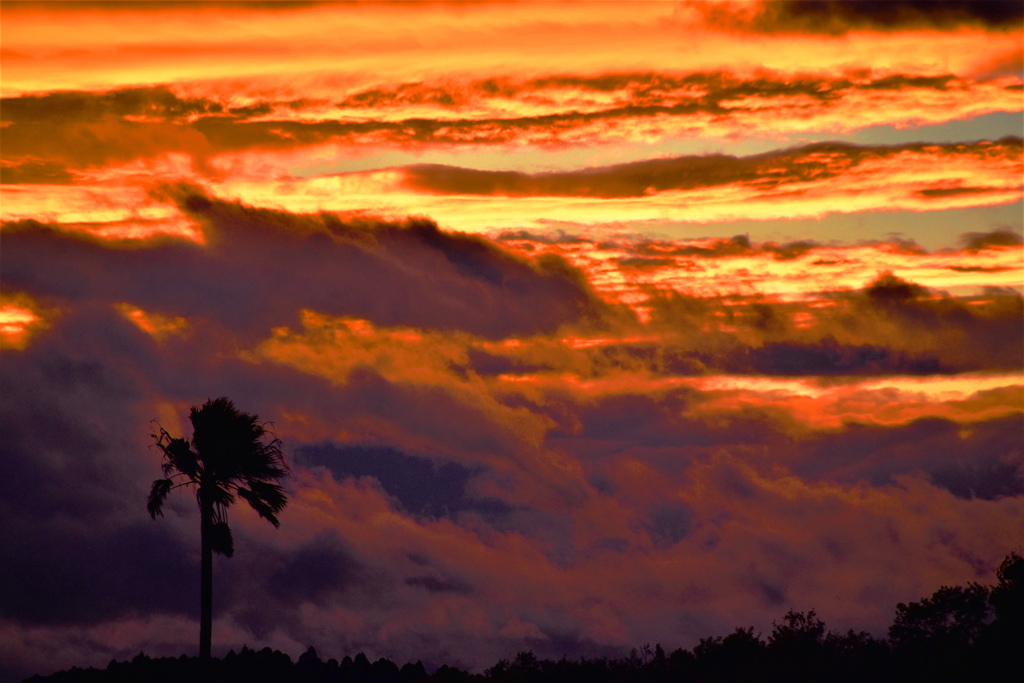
{"x": 959, "y": 634}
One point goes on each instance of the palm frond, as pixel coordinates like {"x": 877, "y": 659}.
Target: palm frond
{"x": 178, "y": 455}
{"x": 181, "y": 458}
{"x": 157, "y": 494}
{"x": 221, "y": 494}
{"x": 266, "y": 499}
{"x": 221, "y": 540}
{"x": 272, "y": 494}
{"x": 267, "y": 462}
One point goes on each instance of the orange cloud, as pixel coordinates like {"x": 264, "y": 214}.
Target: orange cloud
{"x": 20, "y": 318}
{"x": 121, "y": 210}
{"x": 87, "y": 129}
{"x": 158, "y": 326}
{"x": 893, "y": 401}
{"x": 628, "y": 270}
{"x": 50, "y": 49}
{"x": 591, "y": 368}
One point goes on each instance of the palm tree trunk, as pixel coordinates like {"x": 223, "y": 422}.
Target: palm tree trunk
{"x": 206, "y": 575}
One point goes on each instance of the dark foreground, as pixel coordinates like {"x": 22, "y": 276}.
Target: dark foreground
{"x": 960, "y": 634}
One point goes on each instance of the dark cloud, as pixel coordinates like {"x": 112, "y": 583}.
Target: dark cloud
{"x": 668, "y": 523}
{"x": 655, "y": 254}
{"x": 547, "y": 237}
{"x": 315, "y": 570}
{"x": 263, "y": 266}
{"x": 644, "y": 263}
{"x": 83, "y": 107}
{"x": 1003, "y": 237}
{"x": 436, "y": 585}
{"x": 992, "y": 324}
{"x": 422, "y": 486}
{"x": 989, "y": 481}
{"x": 890, "y": 289}
{"x": 60, "y": 574}
{"x": 984, "y": 460}
{"x": 943, "y": 192}
{"x": 252, "y": 110}
{"x": 737, "y": 245}
{"x": 493, "y": 364}
{"x": 790, "y": 250}
{"x": 62, "y": 463}
{"x": 822, "y": 358}
{"x": 978, "y": 269}
{"x": 638, "y": 179}
{"x": 841, "y": 16}
{"x": 265, "y": 587}
{"x": 656, "y": 426}
{"x": 153, "y": 103}
{"x": 78, "y": 545}
{"x": 828, "y": 357}
{"x": 902, "y": 82}
{"x": 773, "y": 593}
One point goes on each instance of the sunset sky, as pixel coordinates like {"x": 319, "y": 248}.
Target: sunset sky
{"x": 583, "y": 325}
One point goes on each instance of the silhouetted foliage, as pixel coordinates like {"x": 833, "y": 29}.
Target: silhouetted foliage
{"x": 857, "y": 656}
{"x": 796, "y": 647}
{"x": 946, "y": 637}
{"x": 1007, "y": 597}
{"x": 738, "y": 656}
{"x": 953, "y": 616}
{"x": 1001, "y": 645}
{"x": 934, "y": 638}
{"x": 227, "y": 457}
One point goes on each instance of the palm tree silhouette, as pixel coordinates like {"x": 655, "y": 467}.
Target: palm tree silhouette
{"x": 227, "y": 457}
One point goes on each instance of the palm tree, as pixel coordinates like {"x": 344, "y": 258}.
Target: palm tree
{"x": 227, "y": 457}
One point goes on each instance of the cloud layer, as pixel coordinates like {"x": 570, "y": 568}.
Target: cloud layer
{"x": 567, "y": 478}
